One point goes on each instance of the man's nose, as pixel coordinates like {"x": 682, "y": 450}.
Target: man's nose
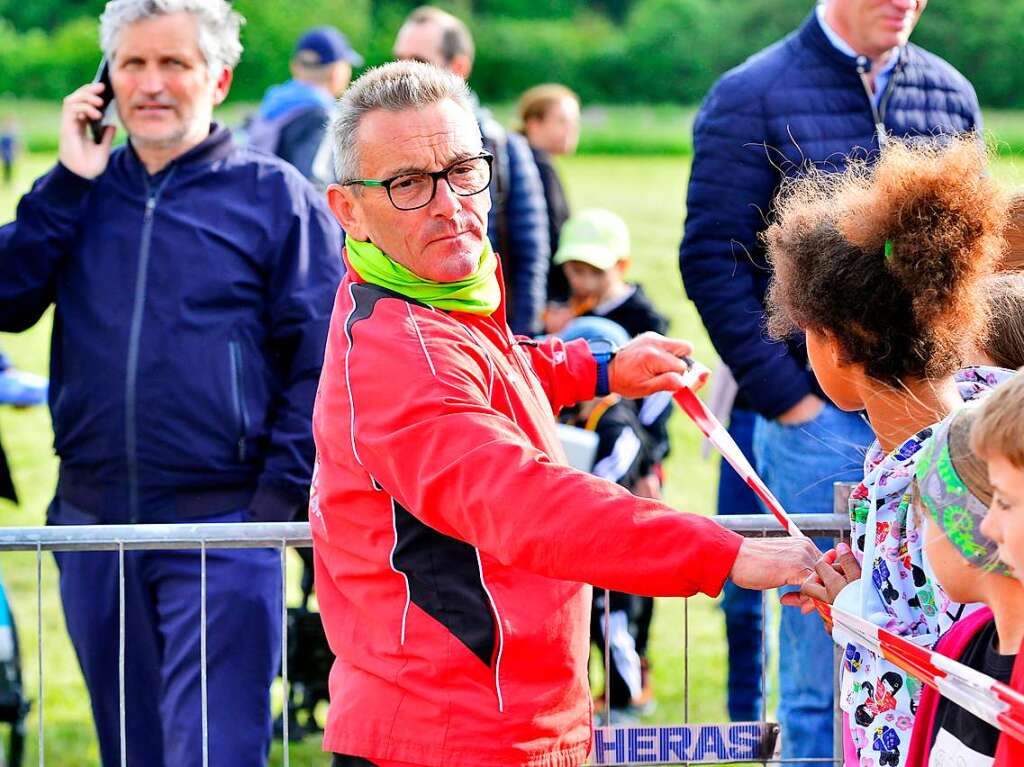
{"x": 151, "y": 81}
{"x": 445, "y": 203}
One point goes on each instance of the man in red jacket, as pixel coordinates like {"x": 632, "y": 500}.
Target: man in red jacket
{"x": 452, "y": 540}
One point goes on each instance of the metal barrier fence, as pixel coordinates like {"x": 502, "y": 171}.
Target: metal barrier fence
{"x": 639, "y": 745}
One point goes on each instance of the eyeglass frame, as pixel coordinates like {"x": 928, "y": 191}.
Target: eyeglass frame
{"x": 435, "y": 176}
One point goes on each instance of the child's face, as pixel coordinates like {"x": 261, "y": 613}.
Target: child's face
{"x": 588, "y": 282}
{"x": 956, "y": 576}
{"x": 1004, "y": 522}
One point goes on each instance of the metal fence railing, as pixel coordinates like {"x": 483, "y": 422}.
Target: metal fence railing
{"x": 677, "y": 744}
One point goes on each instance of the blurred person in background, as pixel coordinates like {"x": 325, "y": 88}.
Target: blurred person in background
{"x": 836, "y": 87}
{"x": 518, "y": 225}
{"x": 293, "y": 116}
{"x": 193, "y": 282}
{"x": 549, "y": 117}
{"x": 9, "y": 146}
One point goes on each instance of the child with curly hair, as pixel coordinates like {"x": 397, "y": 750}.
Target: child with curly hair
{"x": 883, "y": 268}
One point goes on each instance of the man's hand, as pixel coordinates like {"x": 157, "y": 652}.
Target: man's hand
{"x": 832, "y": 573}
{"x": 78, "y": 152}
{"x": 649, "y": 363}
{"x": 648, "y": 486}
{"x": 767, "y": 563}
{"x": 804, "y": 411}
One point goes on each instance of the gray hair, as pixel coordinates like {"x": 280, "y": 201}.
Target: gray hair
{"x": 219, "y": 26}
{"x": 393, "y": 87}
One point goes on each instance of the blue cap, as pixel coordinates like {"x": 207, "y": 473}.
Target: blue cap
{"x": 325, "y": 45}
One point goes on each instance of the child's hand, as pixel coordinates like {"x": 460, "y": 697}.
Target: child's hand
{"x": 557, "y": 316}
{"x": 835, "y": 571}
{"x": 832, "y": 573}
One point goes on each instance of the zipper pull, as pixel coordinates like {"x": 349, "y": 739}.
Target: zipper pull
{"x": 863, "y": 65}
{"x": 150, "y": 207}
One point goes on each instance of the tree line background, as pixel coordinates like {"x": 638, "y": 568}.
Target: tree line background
{"x": 610, "y": 51}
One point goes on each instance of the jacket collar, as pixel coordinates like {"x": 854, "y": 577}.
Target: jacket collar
{"x": 812, "y": 36}
{"x": 216, "y": 146}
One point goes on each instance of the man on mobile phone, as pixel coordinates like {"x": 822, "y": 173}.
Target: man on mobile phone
{"x": 193, "y": 282}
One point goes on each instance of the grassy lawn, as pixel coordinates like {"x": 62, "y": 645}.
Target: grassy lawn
{"x": 648, "y": 192}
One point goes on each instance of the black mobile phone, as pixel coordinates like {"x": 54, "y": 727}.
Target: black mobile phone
{"x": 102, "y": 76}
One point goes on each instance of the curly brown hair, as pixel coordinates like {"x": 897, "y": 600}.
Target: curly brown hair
{"x": 889, "y": 259}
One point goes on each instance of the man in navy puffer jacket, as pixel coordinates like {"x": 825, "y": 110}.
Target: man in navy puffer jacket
{"x": 193, "y": 283}
{"x": 831, "y": 90}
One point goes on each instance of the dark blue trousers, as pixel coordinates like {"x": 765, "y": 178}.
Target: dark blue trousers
{"x": 742, "y": 607}
{"x": 162, "y": 649}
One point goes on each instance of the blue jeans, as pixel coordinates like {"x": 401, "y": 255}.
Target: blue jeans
{"x": 742, "y": 607}
{"x": 799, "y": 464}
{"x": 162, "y": 649}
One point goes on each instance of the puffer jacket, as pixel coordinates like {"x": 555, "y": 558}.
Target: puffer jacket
{"x": 799, "y": 101}
{"x": 452, "y": 541}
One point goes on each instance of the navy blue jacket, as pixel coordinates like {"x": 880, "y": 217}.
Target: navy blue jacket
{"x": 798, "y": 101}
{"x": 518, "y": 225}
{"x": 192, "y": 310}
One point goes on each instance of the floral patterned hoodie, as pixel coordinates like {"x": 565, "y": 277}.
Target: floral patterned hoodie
{"x": 897, "y": 591}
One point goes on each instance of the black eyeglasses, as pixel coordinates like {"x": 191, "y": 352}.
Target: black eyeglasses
{"x": 409, "y": 191}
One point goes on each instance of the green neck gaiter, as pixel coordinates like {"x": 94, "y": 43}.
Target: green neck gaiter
{"x": 479, "y": 293}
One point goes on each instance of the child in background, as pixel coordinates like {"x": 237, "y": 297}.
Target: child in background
{"x": 1004, "y": 342}
{"x": 952, "y": 495}
{"x": 1013, "y": 256}
{"x": 998, "y": 439}
{"x": 623, "y": 456}
{"x": 883, "y": 269}
{"x": 594, "y": 252}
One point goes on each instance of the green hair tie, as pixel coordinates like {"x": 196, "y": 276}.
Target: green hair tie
{"x": 888, "y": 250}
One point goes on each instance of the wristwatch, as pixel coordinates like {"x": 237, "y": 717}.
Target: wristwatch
{"x": 604, "y": 352}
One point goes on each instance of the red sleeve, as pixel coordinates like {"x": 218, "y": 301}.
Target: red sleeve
{"x": 567, "y": 371}
{"x": 427, "y": 433}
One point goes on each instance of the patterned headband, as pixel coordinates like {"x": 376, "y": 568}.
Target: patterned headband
{"x": 953, "y": 487}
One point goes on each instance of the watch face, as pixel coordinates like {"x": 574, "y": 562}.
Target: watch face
{"x": 602, "y": 347}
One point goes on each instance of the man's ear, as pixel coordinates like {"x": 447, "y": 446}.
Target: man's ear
{"x": 223, "y": 85}
{"x": 346, "y": 208}
{"x": 461, "y": 65}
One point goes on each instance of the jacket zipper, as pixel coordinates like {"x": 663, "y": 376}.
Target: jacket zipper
{"x": 238, "y": 397}
{"x": 501, "y": 636}
{"x": 878, "y": 112}
{"x": 134, "y": 338}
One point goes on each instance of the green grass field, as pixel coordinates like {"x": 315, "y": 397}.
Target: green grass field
{"x": 648, "y": 192}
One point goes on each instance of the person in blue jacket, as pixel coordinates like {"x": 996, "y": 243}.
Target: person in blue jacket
{"x": 293, "y": 116}
{"x": 831, "y": 90}
{"x": 518, "y": 226}
{"x": 193, "y": 282}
